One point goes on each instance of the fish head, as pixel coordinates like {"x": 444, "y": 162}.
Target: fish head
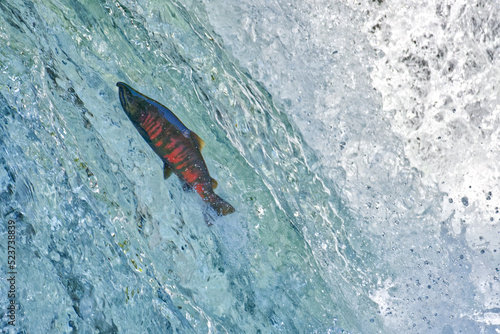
{"x": 133, "y": 102}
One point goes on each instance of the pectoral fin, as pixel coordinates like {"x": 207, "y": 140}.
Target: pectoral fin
{"x": 214, "y": 184}
{"x": 167, "y": 171}
{"x": 197, "y": 140}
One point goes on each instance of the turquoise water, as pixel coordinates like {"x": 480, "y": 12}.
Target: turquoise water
{"x": 105, "y": 245}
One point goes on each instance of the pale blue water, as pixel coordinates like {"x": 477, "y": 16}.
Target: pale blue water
{"x": 105, "y": 245}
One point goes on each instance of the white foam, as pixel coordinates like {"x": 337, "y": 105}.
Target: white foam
{"x": 400, "y": 101}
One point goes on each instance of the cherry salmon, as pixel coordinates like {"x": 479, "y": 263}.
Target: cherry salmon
{"x": 178, "y": 147}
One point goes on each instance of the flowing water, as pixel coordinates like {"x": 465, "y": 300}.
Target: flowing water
{"x": 356, "y": 140}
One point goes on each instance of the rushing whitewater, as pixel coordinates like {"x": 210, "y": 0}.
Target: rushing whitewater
{"x": 359, "y": 147}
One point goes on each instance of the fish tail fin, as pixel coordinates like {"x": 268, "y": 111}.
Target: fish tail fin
{"x": 220, "y": 206}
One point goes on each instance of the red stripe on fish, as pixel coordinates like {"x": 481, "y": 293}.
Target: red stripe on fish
{"x": 151, "y": 123}
{"x": 199, "y": 188}
{"x": 150, "y": 128}
{"x": 156, "y": 131}
{"x": 176, "y": 156}
{"x": 173, "y": 143}
{"x": 159, "y": 143}
{"x": 181, "y": 166}
{"x": 169, "y": 154}
{"x": 189, "y": 176}
{"x": 146, "y": 120}
{"x": 153, "y": 127}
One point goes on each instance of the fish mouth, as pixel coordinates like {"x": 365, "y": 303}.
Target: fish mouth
{"x": 121, "y": 93}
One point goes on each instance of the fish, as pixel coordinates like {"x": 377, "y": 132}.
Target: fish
{"x": 178, "y": 147}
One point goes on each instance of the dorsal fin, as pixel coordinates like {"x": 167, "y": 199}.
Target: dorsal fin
{"x": 198, "y": 140}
